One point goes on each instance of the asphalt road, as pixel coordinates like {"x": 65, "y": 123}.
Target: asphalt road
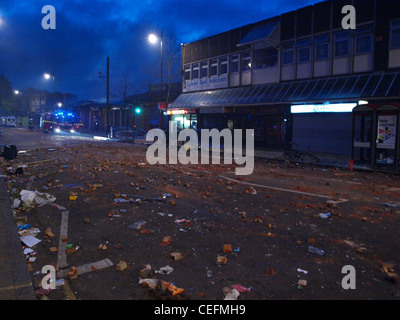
{"x": 268, "y": 220}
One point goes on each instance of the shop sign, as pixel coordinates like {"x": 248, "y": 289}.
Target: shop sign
{"x": 214, "y": 82}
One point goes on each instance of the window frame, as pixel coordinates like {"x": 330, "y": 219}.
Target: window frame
{"x": 195, "y": 68}
{"x": 234, "y": 59}
{"x": 395, "y": 28}
{"x": 246, "y": 56}
{"x": 213, "y": 64}
{"x": 202, "y": 68}
{"x": 223, "y": 61}
{"x": 322, "y": 40}
{"x": 344, "y": 39}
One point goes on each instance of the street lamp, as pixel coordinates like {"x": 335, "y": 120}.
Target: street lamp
{"x": 59, "y": 104}
{"x": 152, "y": 38}
{"x": 47, "y": 76}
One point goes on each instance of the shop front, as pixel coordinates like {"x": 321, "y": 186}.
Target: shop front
{"x": 376, "y": 136}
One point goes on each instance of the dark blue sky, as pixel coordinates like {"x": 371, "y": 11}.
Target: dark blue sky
{"x": 89, "y": 31}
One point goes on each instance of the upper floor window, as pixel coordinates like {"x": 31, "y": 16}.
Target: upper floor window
{"x": 342, "y": 43}
{"x": 213, "y": 67}
{"x": 395, "y": 34}
{"x": 303, "y": 51}
{"x": 321, "y": 47}
{"x": 287, "y": 53}
{"x": 223, "y": 65}
{"x": 246, "y": 61}
{"x": 195, "y": 70}
{"x": 204, "y": 69}
{"x": 186, "y": 72}
{"x": 234, "y": 63}
{"x": 363, "y": 39}
{"x": 264, "y": 58}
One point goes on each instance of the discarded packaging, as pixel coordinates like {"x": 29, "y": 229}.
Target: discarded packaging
{"x": 240, "y": 288}
{"x": 230, "y": 294}
{"x": 221, "y": 260}
{"x": 121, "y": 266}
{"x": 165, "y": 270}
{"x": 174, "y": 289}
{"x": 227, "y": 248}
{"x": 166, "y": 241}
{"x": 316, "y": 250}
{"x": 146, "y": 272}
{"x": 177, "y": 256}
{"x": 324, "y": 215}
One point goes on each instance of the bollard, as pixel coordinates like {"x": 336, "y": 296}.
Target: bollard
{"x": 351, "y": 164}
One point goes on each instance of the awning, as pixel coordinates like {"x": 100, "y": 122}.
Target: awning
{"x": 344, "y": 88}
{"x": 259, "y": 33}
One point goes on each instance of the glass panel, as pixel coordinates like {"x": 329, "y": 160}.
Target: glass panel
{"x": 307, "y": 91}
{"x": 284, "y": 91}
{"x": 325, "y": 90}
{"x": 358, "y": 88}
{"x": 394, "y": 91}
{"x": 384, "y": 85}
{"x": 317, "y": 89}
{"x": 333, "y": 94}
{"x": 295, "y": 94}
{"x": 351, "y": 81}
{"x": 371, "y": 86}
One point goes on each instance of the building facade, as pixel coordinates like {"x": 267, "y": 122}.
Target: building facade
{"x": 296, "y": 78}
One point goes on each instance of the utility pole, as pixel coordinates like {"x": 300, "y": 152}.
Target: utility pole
{"x": 108, "y": 95}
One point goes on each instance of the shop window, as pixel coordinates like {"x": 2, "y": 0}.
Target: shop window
{"x": 234, "y": 65}
{"x": 223, "y": 65}
{"x": 213, "y": 67}
{"x": 321, "y": 47}
{"x": 395, "y": 34}
{"x": 342, "y": 43}
{"x": 204, "y": 69}
{"x": 195, "y": 71}
{"x": 246, "y": 61}
{"x": 186, "y": 72}
{"x": 264, "y": 58}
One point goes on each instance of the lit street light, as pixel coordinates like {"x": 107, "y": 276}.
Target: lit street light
{"x": 47, "y": 76}
{"x": 59, "y": 104}
{"x": 152, "y": 38}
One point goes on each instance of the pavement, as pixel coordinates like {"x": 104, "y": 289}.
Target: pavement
{"x": 15, "y": 279}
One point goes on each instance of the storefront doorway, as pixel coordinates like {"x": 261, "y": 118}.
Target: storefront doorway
{"x": 376, "y": 136}
{"x": 273, "y": 131}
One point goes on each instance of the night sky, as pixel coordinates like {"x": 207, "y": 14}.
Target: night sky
{"x": 89, "y": 31}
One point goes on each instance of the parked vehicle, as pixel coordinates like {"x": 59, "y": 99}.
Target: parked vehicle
{"x": 11, "y": 121}
{"x": 60, "y": 121}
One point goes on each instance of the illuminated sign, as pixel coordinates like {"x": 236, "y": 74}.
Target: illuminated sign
{"x": 174, "y": 112}
{"x": 317, "y": 108}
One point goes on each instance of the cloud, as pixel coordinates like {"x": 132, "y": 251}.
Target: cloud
{"x": 89, "y": 31}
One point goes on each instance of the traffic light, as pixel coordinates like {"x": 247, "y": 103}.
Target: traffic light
{"x": 138, "y": 110}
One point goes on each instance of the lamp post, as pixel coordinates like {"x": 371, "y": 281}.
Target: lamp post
{"x": 153, "y": 39}
{"x": 48, "y": 76}
{"x": 108, "y": 94}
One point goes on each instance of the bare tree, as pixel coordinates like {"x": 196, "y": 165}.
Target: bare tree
{"x": 123, "y": 89}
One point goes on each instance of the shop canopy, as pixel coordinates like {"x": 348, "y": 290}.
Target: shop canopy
{"x": 344, "y": 88}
